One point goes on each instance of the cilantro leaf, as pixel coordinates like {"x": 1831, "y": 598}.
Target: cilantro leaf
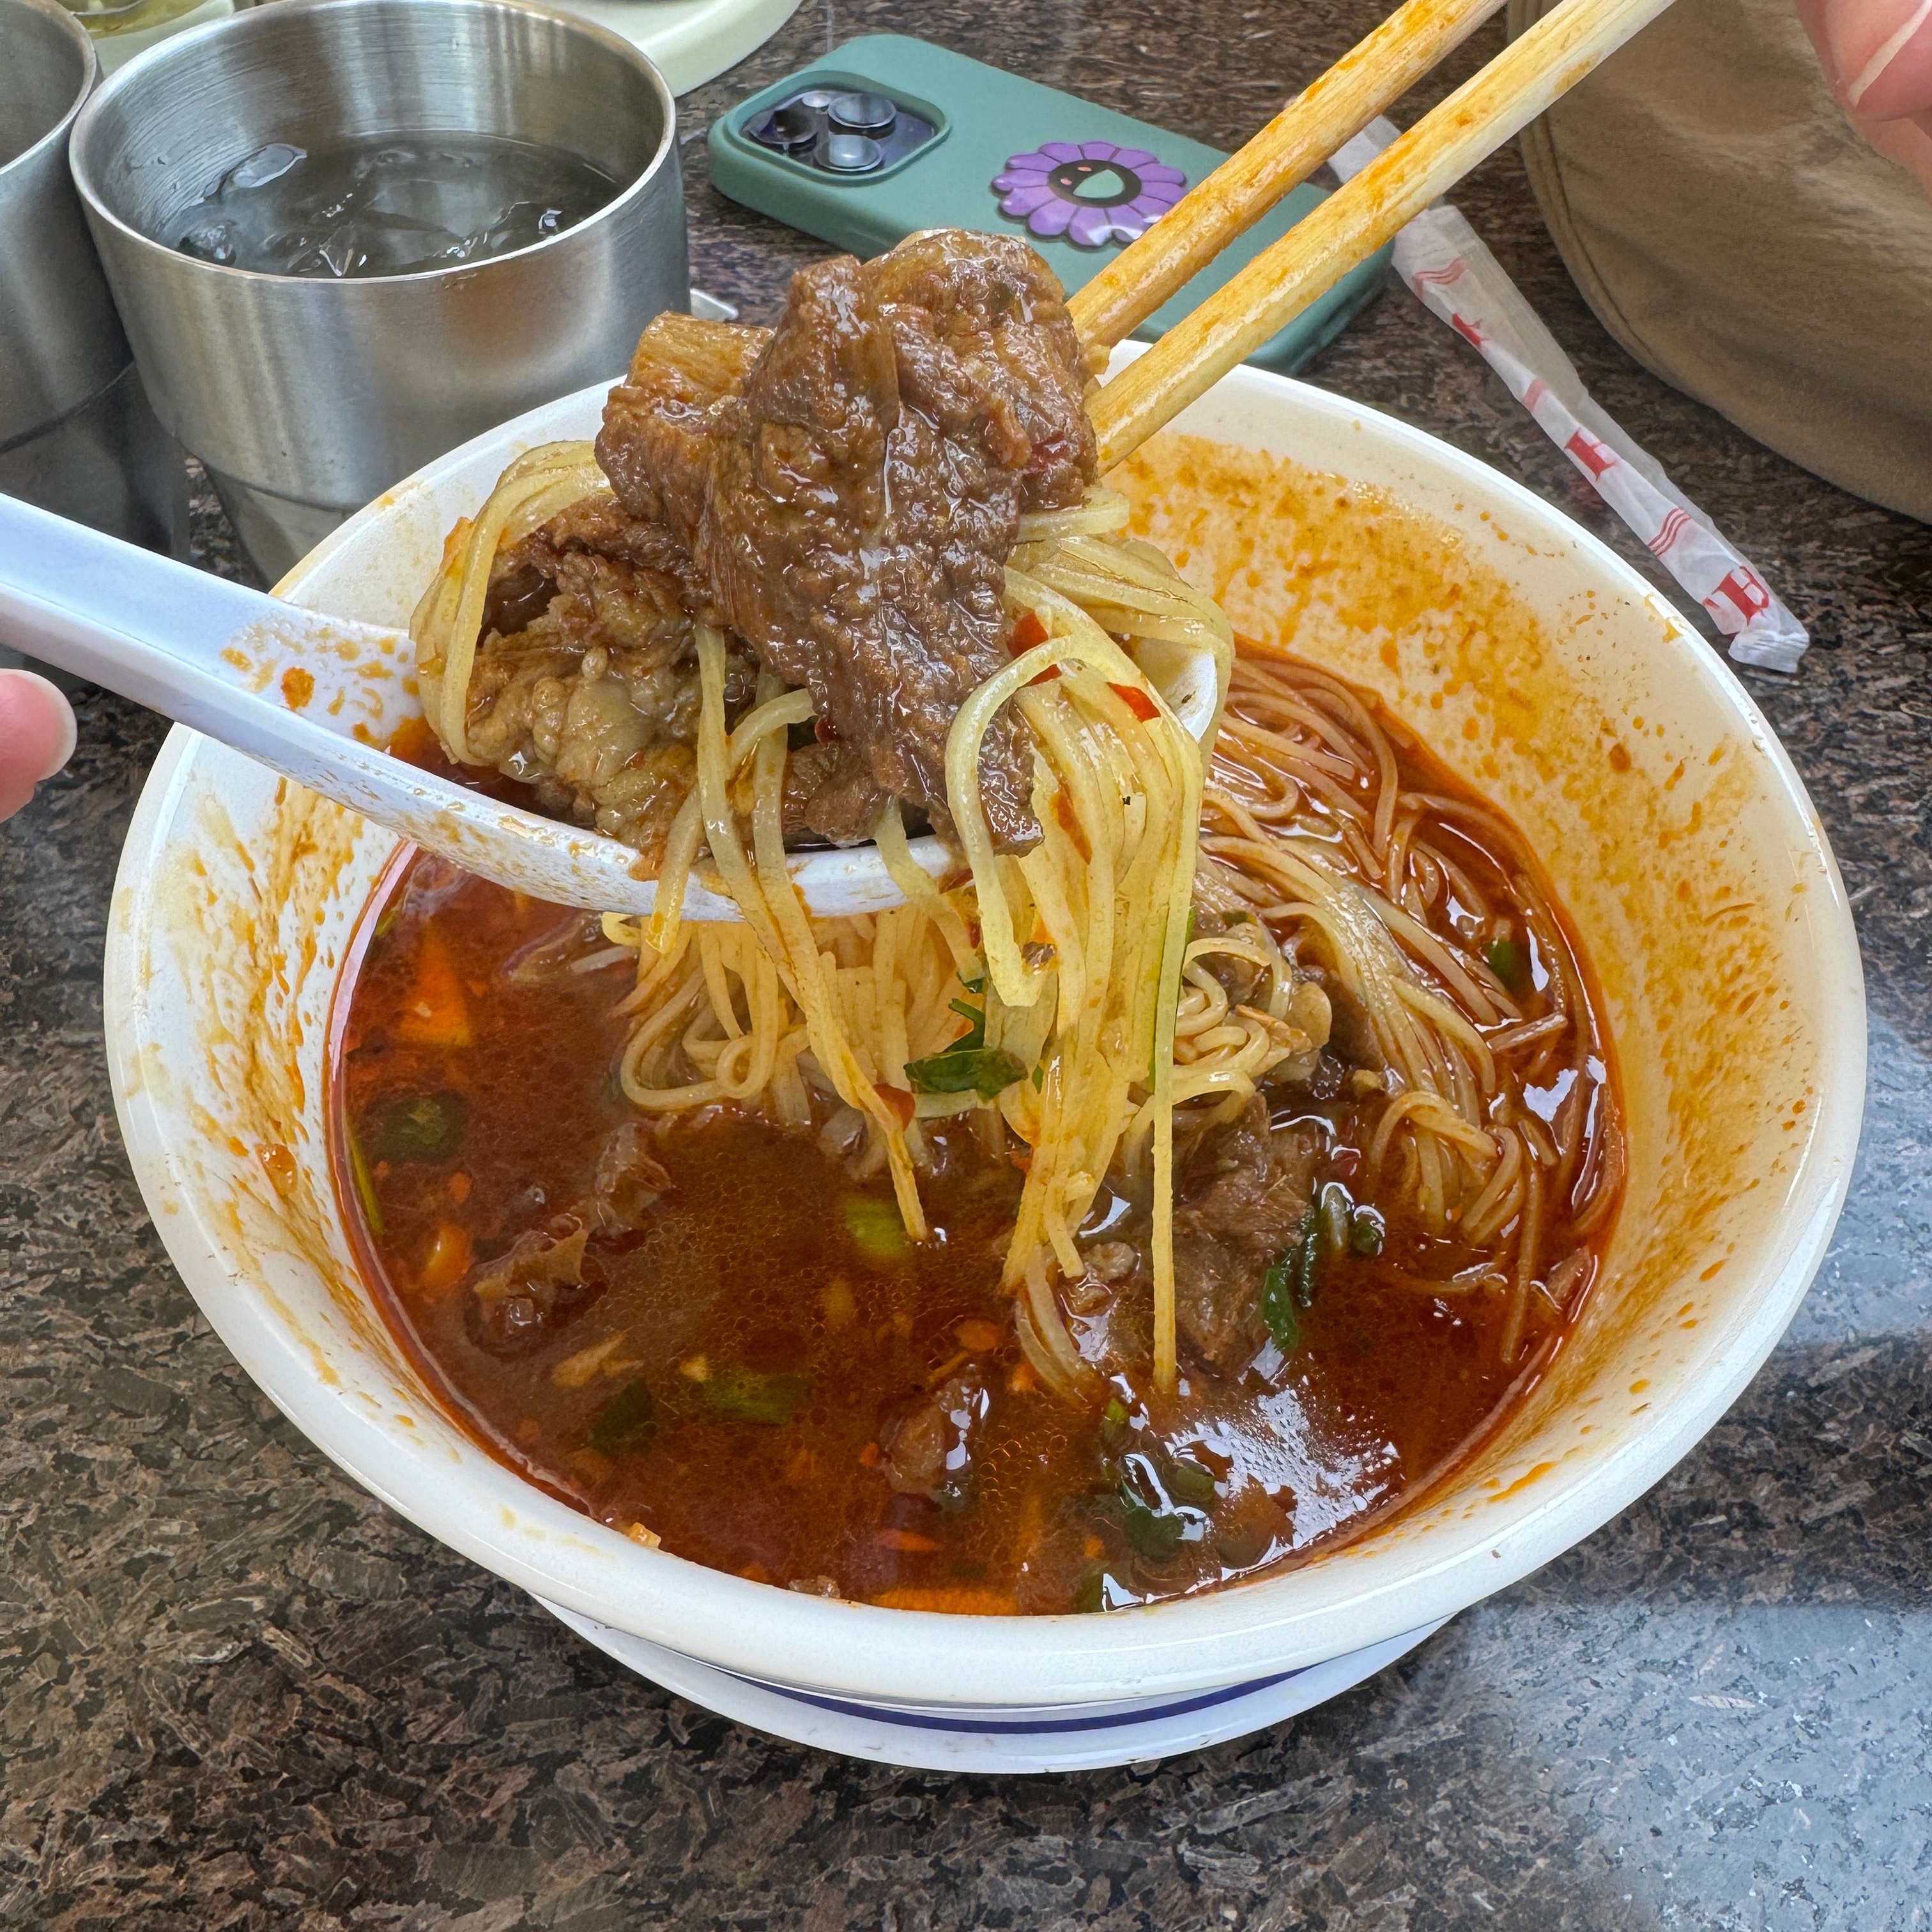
{"x": 986, "y": 1071}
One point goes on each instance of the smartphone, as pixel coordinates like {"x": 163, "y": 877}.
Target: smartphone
{"x": 889, "y": 135}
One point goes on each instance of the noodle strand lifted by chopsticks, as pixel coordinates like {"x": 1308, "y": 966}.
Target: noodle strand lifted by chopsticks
{"x": 1118, "y": 797}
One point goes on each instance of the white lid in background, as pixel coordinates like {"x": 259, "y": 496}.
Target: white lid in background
{"x": 691, "y": 40}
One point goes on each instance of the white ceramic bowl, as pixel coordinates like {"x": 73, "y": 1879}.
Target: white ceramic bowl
{"x": 1540, "y": 666}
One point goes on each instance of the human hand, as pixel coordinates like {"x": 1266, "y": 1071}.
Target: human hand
{"x": 36, "y": 733}
{"x": 1877, "y": 56}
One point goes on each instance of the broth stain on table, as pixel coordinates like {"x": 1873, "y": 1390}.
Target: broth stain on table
{"x": 236, "y": 1691}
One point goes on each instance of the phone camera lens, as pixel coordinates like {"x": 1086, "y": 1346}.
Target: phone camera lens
{"x": 871, "y": 114}
{"x": 791, "y": 129}
{"x": 850, "y": 154}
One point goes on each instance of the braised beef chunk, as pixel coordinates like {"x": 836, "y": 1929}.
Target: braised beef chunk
{"x": 830, "y": 793}
{"x": 842, "y": 493}
{"x": 656, "y": 443}
{"x": 585, "y": 684}
{"x": 626, "y": 581}
{"x": 526, "y": 1296}
{"x": 549, "y": 1273}
{"x": 595, "y": 703}
{"x": 1243, "y": 1197}
{"x": 850, "y": 503}
{"x": 520, "y": 593}
{"x": 951, "y": 297}
{"x": 601, "y": 524}
{"x": 927, "y": 1450}
{"x": 630, "y": 1180}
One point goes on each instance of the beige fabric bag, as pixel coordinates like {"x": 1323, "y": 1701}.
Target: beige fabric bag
{"x": 1736, "y": 236}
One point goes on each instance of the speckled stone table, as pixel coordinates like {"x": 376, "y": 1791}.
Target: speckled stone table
{"x": 236, "y": 1692}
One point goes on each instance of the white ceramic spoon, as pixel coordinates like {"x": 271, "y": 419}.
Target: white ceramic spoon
{"x": 317, "y": 698}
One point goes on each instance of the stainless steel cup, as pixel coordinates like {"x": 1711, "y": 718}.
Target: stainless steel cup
{"x": 76, "y": 435}
{"x": 306, "y": 398}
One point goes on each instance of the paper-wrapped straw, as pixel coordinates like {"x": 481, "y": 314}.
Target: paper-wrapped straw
{"x": 1444, "y": 262}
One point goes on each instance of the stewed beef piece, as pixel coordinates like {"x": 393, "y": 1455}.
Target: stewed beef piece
{"x": 928, "y": 1449}
{"x": 850, "y": 488}
{"x": 1244, "y": 1198}
{"x": 524, "y": 1297}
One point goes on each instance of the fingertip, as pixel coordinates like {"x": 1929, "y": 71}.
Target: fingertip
{"x": 37, "y": 725}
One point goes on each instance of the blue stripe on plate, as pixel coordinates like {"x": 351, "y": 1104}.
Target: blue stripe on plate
{"x": 1028, "y": 1726}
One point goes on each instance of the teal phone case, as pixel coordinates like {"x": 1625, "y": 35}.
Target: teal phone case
{"x": 985, "y": 121}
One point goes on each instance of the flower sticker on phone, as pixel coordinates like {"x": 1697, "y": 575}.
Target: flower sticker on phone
{"x": 1090, "y": 191}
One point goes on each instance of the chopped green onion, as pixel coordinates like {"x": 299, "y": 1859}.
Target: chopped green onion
{"x": 1365, "y": 1231}
{"x": 1186, "y": 1481}
{"x": 1039, "y": 1076}
{"x": 875, "y": 1225}
{"x": 1308, "y": 1259}
{"x": 1103, "y": 1591}
{"x": 426, "y": 1126}
{"x": 1156, "y": 1534}
{"x": 1289, "y": 1284}
{"x": 746, "y": 1395}
{"x": 627, "y": 1421}
{"x": 1149, "y": 1490}
{"x": 1506, "y": 962}
{"x": 365, "y": 1182}
{"x": 1241, "y": 1545}
{"x": 975, "y": 1035}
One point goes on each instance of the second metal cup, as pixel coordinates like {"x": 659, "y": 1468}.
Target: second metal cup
{"x": 306, "y": 398}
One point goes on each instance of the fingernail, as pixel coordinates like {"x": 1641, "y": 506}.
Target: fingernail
{"x": 1875, "y": 69}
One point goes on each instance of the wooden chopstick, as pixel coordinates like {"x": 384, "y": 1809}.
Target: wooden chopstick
{"x": 1363, "y": 213}
{"x": 1367, "y": 79}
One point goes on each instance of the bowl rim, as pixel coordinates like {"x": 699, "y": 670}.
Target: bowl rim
{"x": 1293, "y": 1617}
{"x": 91, "y": 108}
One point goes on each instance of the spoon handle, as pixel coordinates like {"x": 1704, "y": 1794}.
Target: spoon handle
{"x": 226, "y": 660}
{"x": 317, "y": 699}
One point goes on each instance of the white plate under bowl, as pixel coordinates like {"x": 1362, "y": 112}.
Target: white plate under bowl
{"x": 1034, "y": 1737}
{"x": 1537, "y": 664}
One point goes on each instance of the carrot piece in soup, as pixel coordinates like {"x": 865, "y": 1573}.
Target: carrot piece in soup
{"x": 448, "y": 1261}
{"x": 435, "y": 1013}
